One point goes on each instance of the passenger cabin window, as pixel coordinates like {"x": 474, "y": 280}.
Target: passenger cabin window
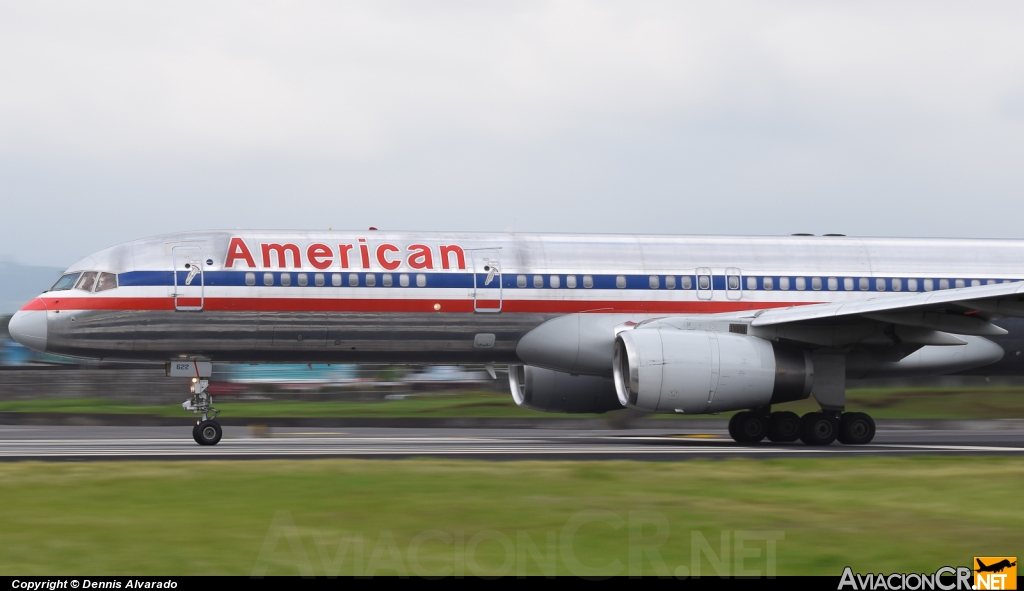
{"x": 929, "y": 285}
{"x": 538, "y": 281}
{"x": 286, "y": 279}
{"x": 897, "y": 284}
{"x": 336, "y": 279}
{"x": 620, "y": 281}
{"x": 801, "y": 283}
{"x": 303, "y": 280}
{"x": 353, "y": 280}
{"x": 911, "y": 284}
{"x": 751, "y": 283}
{"x": 250, "y": 279}
{"x": 268, "y": 279}
{"x": 784, "y": 283}
{"x": 570, "y": 281}
{"x": 654, "y": 282}
{"x": 686, "y": 282}
{"x": 371, "y": 280}
{"x": 703, "y": 282}
{"x": 106, "y": 281}
{"x": 880, "y": 284}
{"x": 670, "y": 282}
{"x": 65, "y": 282}
{"x": 421, "y": 280}
{"x": 833, "y": 284}
{"x": 769, "y": 283}
{"x": 960, "y": 283}
{"x": 403, "y": 280}
{"x": 588, "y": 282}
{"x": 943, "y": 283}
{"x": 975, "y": 283}
{"x": 554, "y": 281}
{"x": 816, "y": 283}
{"x": 521, "y": 281}
{"x": 848, "y": 283}
{"x": 87, "y": 282}
{"x": 386, "y": 280}
{"x": 734, "y": 282}
{"x": 865, "y": 284}
{"x": 318, "y": 279}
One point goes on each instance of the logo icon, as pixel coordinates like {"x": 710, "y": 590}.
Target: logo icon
{"x": 995, "y": 572}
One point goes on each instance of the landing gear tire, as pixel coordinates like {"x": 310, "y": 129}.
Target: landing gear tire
{"x": 207, "y": 432}
{"x": 819, "y": 428}
{"x": 732, "y": 426}
{"x": 748, "y": 427}
{"x": 783, "y": 427}
{"x": 856, "y": 428}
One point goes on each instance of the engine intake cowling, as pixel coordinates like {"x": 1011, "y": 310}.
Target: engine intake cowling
{"x": 555, "y": 391}
{"x": 697, "y": 371}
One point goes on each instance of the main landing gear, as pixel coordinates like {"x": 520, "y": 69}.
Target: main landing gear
{"x": 207, "y": 431}
{"x": 814, "y": 428}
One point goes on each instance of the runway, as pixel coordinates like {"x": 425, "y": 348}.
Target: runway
{"x": 80, "y": 443}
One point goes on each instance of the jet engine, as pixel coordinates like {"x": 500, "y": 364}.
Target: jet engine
{"x": 546, "y": 390}
{"x": 698, "y": 371}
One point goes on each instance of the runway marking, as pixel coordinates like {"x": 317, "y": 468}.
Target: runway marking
{"x": 188, "y": 450}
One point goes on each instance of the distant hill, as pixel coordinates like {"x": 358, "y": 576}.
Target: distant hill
{"x": 21, "y": 283}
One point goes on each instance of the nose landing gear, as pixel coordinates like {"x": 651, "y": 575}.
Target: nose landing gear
{"x": 207, "y": 431}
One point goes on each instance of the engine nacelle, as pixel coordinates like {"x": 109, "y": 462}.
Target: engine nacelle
{"x": 697, "y": 371}
{"x": 555, "y": 391}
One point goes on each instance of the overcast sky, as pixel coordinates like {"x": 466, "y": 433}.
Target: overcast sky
{"x": 122, "y": 120}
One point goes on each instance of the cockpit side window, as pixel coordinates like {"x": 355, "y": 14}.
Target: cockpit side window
{"x": 107, "y": 281}
{"x": 87, "y": 282}
{"x": 65, "y": 282}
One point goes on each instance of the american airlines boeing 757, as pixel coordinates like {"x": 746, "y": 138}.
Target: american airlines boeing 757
{"x": 585, "y": 323}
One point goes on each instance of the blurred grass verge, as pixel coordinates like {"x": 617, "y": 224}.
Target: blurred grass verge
{"x": 882, "y": 403}
{"x": 162, "y": 518}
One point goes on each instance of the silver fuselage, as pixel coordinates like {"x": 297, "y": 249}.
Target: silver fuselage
{"x": 382, "y": 297}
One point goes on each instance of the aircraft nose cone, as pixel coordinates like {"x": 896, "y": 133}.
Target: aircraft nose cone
{"x": 28, "y": 327}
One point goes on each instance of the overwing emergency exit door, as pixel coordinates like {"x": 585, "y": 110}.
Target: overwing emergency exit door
{"x": 189, "y": 287}
{"x": 486, "y": 281}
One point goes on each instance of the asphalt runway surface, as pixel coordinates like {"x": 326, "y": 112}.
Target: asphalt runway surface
{"x": 82, "y": 443}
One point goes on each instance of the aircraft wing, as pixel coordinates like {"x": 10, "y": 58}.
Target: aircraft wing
{"x": 966, "y": 310}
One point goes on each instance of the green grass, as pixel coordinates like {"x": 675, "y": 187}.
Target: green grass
{"x": 469, "y": 404}
{"x": 937, "y": 403}
{"x": 875, "y": 515}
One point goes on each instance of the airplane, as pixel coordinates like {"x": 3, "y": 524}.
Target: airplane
{"x": 994, "y": 568}
{"x": 585, "y": 323}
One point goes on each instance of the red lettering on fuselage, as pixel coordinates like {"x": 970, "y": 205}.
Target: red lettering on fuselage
{"x": 364, "y": 253}
{"x": 320, "y": 256}
{"x": 281, "y": 250}
{"x": 387, "y": 256}
{"x": 238, "y": 250}
{"x": 382, "y": 252}
{"x": 460, "y": 256}
{"x": 420, "y": 257}
{"x": 344, "y": 248}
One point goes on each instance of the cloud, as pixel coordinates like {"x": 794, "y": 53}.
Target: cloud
{"x": 720, "y": 117}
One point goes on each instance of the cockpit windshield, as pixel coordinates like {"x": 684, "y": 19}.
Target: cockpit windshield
{"x": 65, "y": 282}
{"x": 107, "y": 281}
{"x": 87, "y": 282}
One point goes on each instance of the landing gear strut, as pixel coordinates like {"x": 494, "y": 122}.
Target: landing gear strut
{"x": 814, "y": 428}
{"x": 207, "y": 431}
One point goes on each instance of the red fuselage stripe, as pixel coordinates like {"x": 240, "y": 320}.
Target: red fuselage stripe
{"x": 396, "y": 305}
